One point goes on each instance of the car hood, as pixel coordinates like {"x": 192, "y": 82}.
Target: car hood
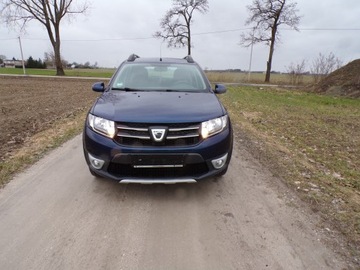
{"x": 157, "y": 107}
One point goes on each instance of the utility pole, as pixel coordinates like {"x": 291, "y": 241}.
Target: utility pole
{"x": 22, "y": 57}
{"x": 161, "y": 50}
{"x": 251, "y": 52}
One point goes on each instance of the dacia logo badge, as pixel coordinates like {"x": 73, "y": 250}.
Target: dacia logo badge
{"x": 158, "y": 134}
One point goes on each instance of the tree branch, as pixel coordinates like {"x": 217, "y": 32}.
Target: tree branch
{"x": 176, "y": 24}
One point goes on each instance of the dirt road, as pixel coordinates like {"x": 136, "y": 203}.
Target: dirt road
{"x": 57, "y": 216}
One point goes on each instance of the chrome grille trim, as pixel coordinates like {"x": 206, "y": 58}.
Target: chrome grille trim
{"x": 182, "y": 129}
{"x": 155, "y": 181}
{"x": 157, "y": 166}
{"x": 131, "y": 128}
{"x": 133, "y": 136}
{"x": 181, "y": 137}
{"x": 181, "y": 134}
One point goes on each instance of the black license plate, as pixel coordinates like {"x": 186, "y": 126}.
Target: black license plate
{"x": 157, "y": 160}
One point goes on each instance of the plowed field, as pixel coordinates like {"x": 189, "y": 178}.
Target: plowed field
{"x": 31, "y": 104}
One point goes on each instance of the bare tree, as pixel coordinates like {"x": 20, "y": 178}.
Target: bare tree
{"x": 49, "y": 59}
{"x": 2, "y": 59}
{"x": 48, "y": 13}
{"x": 266, "y": 16}
{"x": 323, "y": 65}
{"x": 296, "y": 72}
{"x": 176, "y": 24}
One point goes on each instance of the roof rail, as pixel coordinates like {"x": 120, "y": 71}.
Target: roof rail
{"x": 132, "y": 57}
{"x": 189, "y": 59}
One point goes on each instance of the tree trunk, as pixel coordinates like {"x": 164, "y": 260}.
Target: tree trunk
{"x": 269, "y": 62}
{"x": 189, "y": 39}
{"x": 271, "y": 52}
{"x": 58, "y": 62}
{"x": 189, "y": 46}
{"x": 268, "y": 69}
{"x": 55, "y": 42}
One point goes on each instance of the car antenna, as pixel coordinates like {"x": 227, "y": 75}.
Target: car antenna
{"x": 160, "y": 51}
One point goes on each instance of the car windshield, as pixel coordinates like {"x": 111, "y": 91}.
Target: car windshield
{"x": 159, "y": 77}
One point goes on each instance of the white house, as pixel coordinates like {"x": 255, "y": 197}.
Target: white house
{"x": 12, "y": 63}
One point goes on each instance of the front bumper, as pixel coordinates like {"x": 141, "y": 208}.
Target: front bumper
{"x": 157, "y": 164}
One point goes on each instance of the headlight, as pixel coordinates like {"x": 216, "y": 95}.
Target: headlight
{"x": 101, "y": 125}
{"x": 213, "y": 126}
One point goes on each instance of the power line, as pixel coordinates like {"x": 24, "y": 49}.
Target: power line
{"x": 8, "y": 38}
{"x": 109, "y": 39}
{"x": 222, "y": 31}
{"x": 83, "y": 40}
{"x": 194, "y": 34}
{"x": 324, "y": 29}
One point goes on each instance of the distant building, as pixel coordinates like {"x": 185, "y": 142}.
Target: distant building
{"x": 12, "y": 63}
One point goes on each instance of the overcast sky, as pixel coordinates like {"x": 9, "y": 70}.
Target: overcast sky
{"x": 114, "y": 29}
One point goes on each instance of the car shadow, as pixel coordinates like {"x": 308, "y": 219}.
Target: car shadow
{"x": 156, "y": 192}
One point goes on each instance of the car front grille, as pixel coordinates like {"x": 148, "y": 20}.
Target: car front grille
{"x": 188, "y": 170}
{"x": 139, "y": 135}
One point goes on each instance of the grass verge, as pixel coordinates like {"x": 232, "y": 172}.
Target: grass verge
{"x": 41, "y": 143}
{"x": 243, "y": 77}
{"x": 99, "y": 73}
{"x": 214, "y": 76}
{"x": 312, "y": 142}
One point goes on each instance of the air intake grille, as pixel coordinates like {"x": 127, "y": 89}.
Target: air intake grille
{"x": 189, "y": 170}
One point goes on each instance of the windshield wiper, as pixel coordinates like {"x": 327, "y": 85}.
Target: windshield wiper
{"x": 173, "y": 90}
{"x": 127, "y": 89}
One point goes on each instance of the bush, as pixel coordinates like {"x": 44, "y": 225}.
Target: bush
{"x": 31, "y": 63}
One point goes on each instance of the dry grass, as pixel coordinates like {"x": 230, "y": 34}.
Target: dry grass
{"x": 312, "y": 142}
{"x": 241, "y": 77}
{"x": 38, "y": 145}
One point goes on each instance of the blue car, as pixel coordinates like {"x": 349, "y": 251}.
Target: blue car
{"x": 158, "y": 121}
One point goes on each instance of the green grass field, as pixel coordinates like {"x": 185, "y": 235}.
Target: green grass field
{"x": 311, "y": 141}
{"x": 98, "y": 73}
{"x": 224, "y": 77}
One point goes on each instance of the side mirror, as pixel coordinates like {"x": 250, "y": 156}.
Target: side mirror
{"x": 98, "y": 87}
{"x": 220, "y": 89}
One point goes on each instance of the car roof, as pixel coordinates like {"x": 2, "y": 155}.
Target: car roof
{"x": 135, "y": 58}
